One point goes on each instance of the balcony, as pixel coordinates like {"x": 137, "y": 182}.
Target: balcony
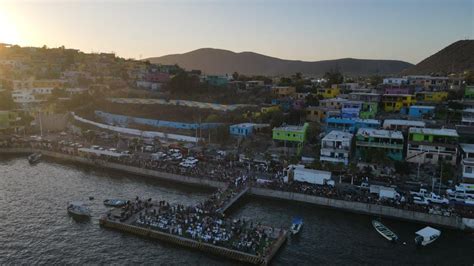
{"x": 379, "y": 145}
{"x": 468, "y": 161}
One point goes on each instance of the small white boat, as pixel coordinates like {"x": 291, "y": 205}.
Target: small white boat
{"x": 384, "y": 231}
{"x": 77, "y": 209}
{"x": 427, "y": 236}
{"x": 296, "y": 225}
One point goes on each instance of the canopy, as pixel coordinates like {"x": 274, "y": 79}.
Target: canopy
{"x": 427, "y": 232}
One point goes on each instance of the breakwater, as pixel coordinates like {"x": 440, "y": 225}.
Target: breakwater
{"x": 453, "y": 222}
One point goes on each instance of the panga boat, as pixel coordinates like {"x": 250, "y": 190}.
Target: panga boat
{"x": 78, "y": 210}
{"x": 115, "y": 202}
{"x": 34, "y": 158}
{"x": 384, "y": 231}
{"x": 296, "y": 225}
{"x": 427, "y": 236}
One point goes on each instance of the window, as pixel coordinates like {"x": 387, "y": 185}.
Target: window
{"x": 429, "y": 156}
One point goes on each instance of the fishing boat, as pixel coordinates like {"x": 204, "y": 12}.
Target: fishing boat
{"x": 78, "y": 210}
{"x": 384, "y": 231}
{"x": 296, "y": 225}
{"x": 115, "y": 202}
{"x": 35, "y": 158}
{"x": 426, "y": 236}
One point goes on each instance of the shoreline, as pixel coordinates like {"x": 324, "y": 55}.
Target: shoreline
{"x": 453, "y": 222}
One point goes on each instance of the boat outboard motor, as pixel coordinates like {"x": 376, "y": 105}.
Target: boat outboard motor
{"x": 418, "y": 240}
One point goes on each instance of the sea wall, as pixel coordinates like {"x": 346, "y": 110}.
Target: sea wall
{"x": 364, "y": 208}
{"x": 120, "y": 167}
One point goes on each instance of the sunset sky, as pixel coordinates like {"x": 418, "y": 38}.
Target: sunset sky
{"x": 408, "y": 30}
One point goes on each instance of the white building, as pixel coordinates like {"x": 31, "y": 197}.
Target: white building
{"x": 429, "y": 145}
{"x": 401, "y": 124}
{"x": 467, "y": 163}
{"x": 468, "y": 117}
{"x": 23, "y": 98}
{"x": 395, "y": 81}
{"x": 336, "y": 147}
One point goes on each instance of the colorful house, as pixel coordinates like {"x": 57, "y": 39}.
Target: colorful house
{"x": 218, "y": 81}
{"x": 467, "y": 162}
{"x": 246, "y": 129}
{"x": 396, "y": 90}
{"x": 395, "y": 102}
{"x": 336, "y": 147}
{"x": 369, "y": 110}
{"x": 319, "y": 114}
{"x": 469, "y": 92}
{"x": 291, "y": 135}
{"x": 283, "y": 91}
{"x": 388, "y": 142}
{"x": 419, "y": 111}
{"x": 350, "y": 125}
{"x": 327, "y": 93}
{"x": 351, "y": 109}
{"x": 365, "y": 96}
{"x": 428, "y": 145}
{"x": 431, "y": 96}
{"x": 334, "y": 103}
{"x": 401, "y": 125}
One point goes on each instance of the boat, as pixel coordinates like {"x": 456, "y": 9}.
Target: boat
{"x": 77, "y": 209}
{"x": 296, "y": 225}
{"x": 115, "y": 202}
{"x": 384, "y": 231}
{"x": 427, "y": 236}
{"x": 35, "y": 158}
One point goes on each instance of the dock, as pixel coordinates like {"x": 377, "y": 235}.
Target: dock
{"x": 233, "y": 200}
{"x": 278, "y": 238}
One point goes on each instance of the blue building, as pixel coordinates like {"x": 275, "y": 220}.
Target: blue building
{"x": 419, "y": 111}
{"x": 350, "y": 125}
{"x": 242, "y": 130}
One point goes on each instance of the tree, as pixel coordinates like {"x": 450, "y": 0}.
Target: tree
{"x": 183, "y": 83}
{"x": 312, "y": 100}
{"x": 333, "y": 76}
{"x": 276, "y": 119}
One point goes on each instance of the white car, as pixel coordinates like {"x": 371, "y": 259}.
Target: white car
{"x": 433, "y": 198}
{"x": 420, "y": 200}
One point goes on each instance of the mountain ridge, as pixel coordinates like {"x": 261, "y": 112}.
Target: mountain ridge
{"x": 220, "y": 61}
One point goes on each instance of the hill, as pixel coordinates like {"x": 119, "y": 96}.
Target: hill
{"x": 217, "y": 61}
{"x": 455, "y": 58}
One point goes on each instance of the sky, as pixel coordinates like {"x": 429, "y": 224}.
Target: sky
{"x": 408, "y": 30}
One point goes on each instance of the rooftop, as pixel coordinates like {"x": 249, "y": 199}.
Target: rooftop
{"x": 422, "y": 107}
{"x": 397, "y": 95}
{"x": 244, "y": 125}
{"x": 337, "y": 99}
{"x": 292, "y": 128}
{"x": 435, "y": 131}
{"x": 401, "y": 122}
{"x": 466, "y": 147}
{"x": 338, "y": 135}
{"x": 380, "y": 133}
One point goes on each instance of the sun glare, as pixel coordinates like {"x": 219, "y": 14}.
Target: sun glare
{"x": 8, "y": 32}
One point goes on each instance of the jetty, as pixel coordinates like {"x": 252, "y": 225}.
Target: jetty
{"x": 139, "y": 224}
{"x": 233, "y": 199}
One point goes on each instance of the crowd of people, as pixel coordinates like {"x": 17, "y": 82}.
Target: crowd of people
{"x": 227, "y": 171}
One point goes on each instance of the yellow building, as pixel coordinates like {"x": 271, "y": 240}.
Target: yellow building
{"x": 327, "y": 93}
{"x": 269, "y": 109}
{"x": 432, "y": 96}
{"x": 395, "y": 102}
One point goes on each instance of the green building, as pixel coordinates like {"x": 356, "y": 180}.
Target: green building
{"x": 371, "y": 143}
{"x": 469, "y": 92}
{"x": 291, "y": 135}
{"x": 369, "y": 110}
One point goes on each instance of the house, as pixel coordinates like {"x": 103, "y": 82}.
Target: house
{"x": 396, "y": 90}
{"x": 395, "y": 81}
{"x": 319, "y": 114}
{"x": 420, "y": 111}
{"x": 291, "y": 135}
{"x": 431, "y": 96}
{"x": 428, "y": 145}
{"x": 269, "y": 109}
{"x": 334, "y": 103}
{"x": 388, "y": 142}
{"x": 336, "y": 147}
{"x": 467, "y": 162}
{"x": 428, "y": 82}
{"x": 365, "y": 97}
{"x": 402, "y": 125}
{"x": 351, "y": 109}
{"x": 395, "y": 102}
{"x": 327, "y": 93}
{"x": 245, "y": 129}
{"x": 369, "y": 110}
{"x": 467, "y": 117}
{"x": 469, "y": 92}
{"x": 216, "y": 80}
{"x": 350, "y": 125}
{"x": 283, "y": 91}
{"x": 251, "y": 84}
